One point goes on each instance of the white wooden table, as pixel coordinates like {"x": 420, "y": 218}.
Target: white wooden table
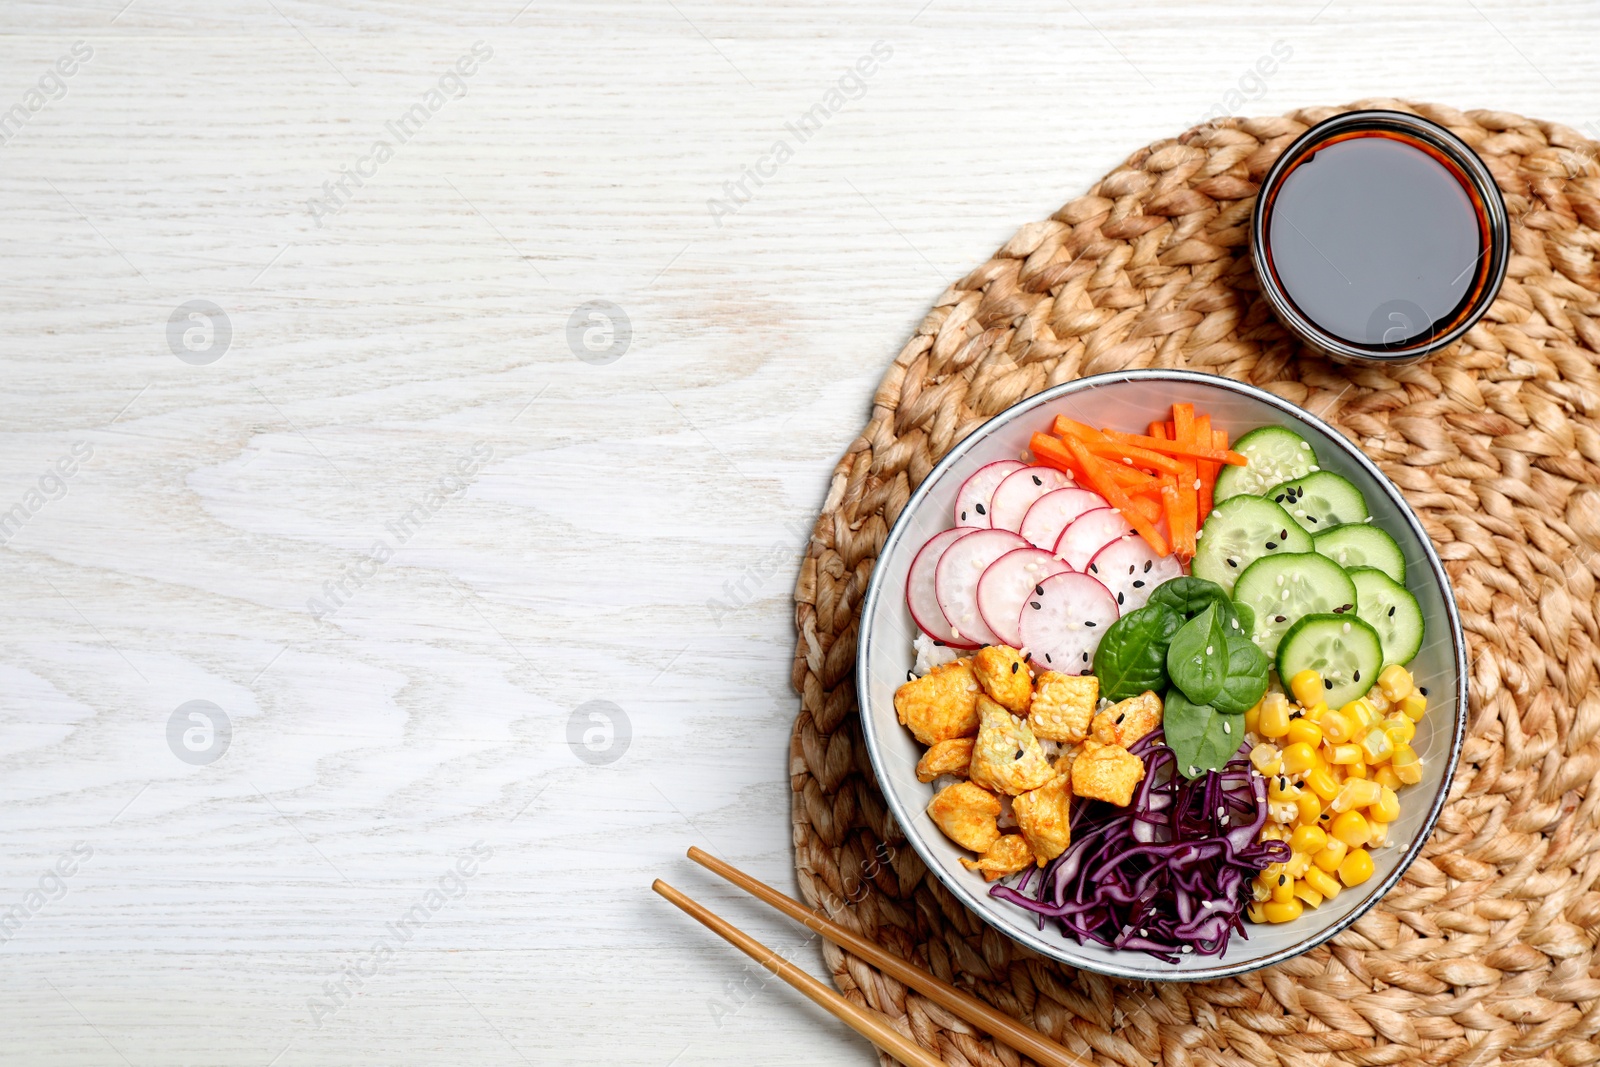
{"x": 417, "y": 846}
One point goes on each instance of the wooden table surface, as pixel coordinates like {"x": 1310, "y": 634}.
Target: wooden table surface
{"x": 483, "y": 587}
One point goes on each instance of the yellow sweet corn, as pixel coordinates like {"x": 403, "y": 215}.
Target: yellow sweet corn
{"x": 1310, "y": 807}
{"x": 1266, "y": 759}
{"x": 1352, "y": 828}
{"x": 1323, "y": 882}
{"x": 1254, "y": 912}
{"x": 1305, "y": 894}
{"x": 1308, "y": 839}
{"x": 1386, "y": 777}
{"x": 1280, "y": 790}
{"x": 1282, "y": 911}
{"x": 1386, "y": 808}
{"x": 1354, "y": 770}
{"x": 1283, "y": 889}
{"x": 1343, "y": 754}
{"x": 1274, "y": 719}
{"x": 1306, "y": 687}
{"x": 1414, "y": 705}
{"x": 1355, "y": 793}
{"x": 1361, "y": 712}
{"x": 1407, "y": 764}
{"x": 1337, "y": 727}
{"x": 1380, "y": 833}
{"x": 1320, "y": 780}
{"x": 1400, "y": 729}
{"x": 1375, "y": 744}
{"x": 1303, "y": 731}
{"x": 1299, "y": 757}
{"x": 1395, "y": 681}
{"x": 1356, "y": 868}
{"x": 1330, "y": 858}
{"x": 1297, "y": 865}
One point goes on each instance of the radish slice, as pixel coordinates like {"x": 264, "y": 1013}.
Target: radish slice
{"x": 1130, "y": 569}
{"x": 1054, "y": 512}
{"x": 955, "y": 582}
{"x": 1089, "y": 533}
{"x": 1005, "y": 586}
{"x": 921, "y": 597}
{"x": 976, "y": 493}
{"x": 1017, "y": 493}
{"x": 1062, "y": 625}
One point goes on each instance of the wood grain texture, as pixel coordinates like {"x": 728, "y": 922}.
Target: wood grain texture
{"x": 372, "y": 748}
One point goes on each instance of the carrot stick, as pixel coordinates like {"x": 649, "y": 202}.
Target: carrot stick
{"x": 1158, "y": 430}
{"x": 1207, "y": 468}
{"x": 1183, "y": 423}
{"x": 1101, "y": 443}
{"x": 1097, "y": 471}
{"x": 1052, "y": 453}
{"x": 1175, "y": 448}
{"x": 1145, "y": 506}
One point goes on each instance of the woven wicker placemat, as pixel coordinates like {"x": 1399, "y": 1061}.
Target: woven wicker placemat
{"x": 1486, "y": 950}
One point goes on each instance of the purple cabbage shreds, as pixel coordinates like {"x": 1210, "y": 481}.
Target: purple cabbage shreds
{"x": 1170, "y": 872}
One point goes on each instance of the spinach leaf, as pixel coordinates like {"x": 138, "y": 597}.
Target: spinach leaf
{"x": 1246, "y": 680}
{"x": 1189, "y": 596}
{"x": 1197, "y": 659}
{"x": 1202, "y": 737}
{"x": 1132, "y": 656}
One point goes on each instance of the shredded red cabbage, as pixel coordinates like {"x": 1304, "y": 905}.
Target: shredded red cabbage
{"x": 1168, "y": 874}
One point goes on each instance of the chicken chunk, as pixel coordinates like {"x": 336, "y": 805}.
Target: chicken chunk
{"x": 940, "y": 705}
{"x": 1007, "y": 757}
{"x": 1005, "y": 676}
{"x": 1044, "y": 816}
{"x": 967, "y": 814}
{"x": 1106, "y": 772}
{"x": 1007, "y": 855}
{"x": 1063, "y": 705}
{"x": 947, "y": 757}
{"x": 1130, "y": 719}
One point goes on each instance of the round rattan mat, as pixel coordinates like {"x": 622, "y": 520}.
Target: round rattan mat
{"x": 1486, "y": 950}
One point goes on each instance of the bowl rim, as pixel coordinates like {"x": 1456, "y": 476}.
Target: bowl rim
{"x": 981, "y": 903}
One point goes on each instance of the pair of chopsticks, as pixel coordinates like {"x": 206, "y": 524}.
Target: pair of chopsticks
{"x": 868, "y": 1024}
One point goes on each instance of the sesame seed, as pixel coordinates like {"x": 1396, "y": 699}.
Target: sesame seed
{"x": 1035, "y": 604}
{"x": 1346, "y": 628}
{"x": 1391, "y": 610}
{"x": 1138, "y": 583}
{"x": 1147, "y": 564}
{"x": 1271, "y": 545}
{"x": 979, "y": 509}
{"x": 1037, "y": 480}
{"x": 1193, "y": 770}
{"x": 1422, "y": 689}
{"x": 1227, "y": 727}
{"x": 1283, "y": 879}
{"x": 1014, "y": 667}
{"x": 1233, "y": 563}
{"x": 1327, "y": 683}
{"x": 1197, "y": 485}
{"x": 1280, "y": 618}
{"x": 1210, "y": 651}
{"x": 1305, "y": 446}
{"x": 1357, "y": 677}
{"x": 1089, "y": 622}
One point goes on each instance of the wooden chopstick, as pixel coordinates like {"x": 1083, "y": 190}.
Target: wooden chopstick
{"x": 869, "y": 1025}
{"x": 990, "y": 1020}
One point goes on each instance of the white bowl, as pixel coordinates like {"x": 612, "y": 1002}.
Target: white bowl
{"x": 1131, "y": 400}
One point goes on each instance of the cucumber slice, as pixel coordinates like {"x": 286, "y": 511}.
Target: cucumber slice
{"x": 1343, "y": 649}
{"x": 1284, "y": 588}
{"x": 1392, "y": 611}
{"x": 1239, "y": 532}
{"x": 1320, "y": 501}
{"x": 1360, "y": 544}
{"x": 1276, "y": 455}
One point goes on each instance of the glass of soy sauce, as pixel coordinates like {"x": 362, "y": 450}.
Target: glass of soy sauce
{"x": 1379, "y": 237}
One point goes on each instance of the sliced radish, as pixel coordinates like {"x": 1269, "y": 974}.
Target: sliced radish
{"x": 1130, "y": 569}
{"x": 1054, "y": 512}
{"x": 1063, "y": 621}
{"x": 955, "y": 582}
{"x": 1017, "y": 493}
{"x": 920, "y": 595}
{"x": 976, "y": 493}
{"x": 1089, "y": 533}
{"x": 1005, "y": 586}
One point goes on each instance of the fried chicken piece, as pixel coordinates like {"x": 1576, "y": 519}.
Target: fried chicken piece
{"x": 1007, "y": 757}
{"x": 947, "y": 757}
{"x": 941, "y": 704}
{"x": 1129, "y": 719}
{"x": 1106, "y": 772}
{"x": 1044, "y": 816}
{"x": 1005, "y": 676}
{"x": 1007, "y": 855}
{"x": 966, "y": 814}
{"x": 1063, "y": 705}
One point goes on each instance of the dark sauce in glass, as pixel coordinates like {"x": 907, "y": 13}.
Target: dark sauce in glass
{"x": 1379, "y": 239}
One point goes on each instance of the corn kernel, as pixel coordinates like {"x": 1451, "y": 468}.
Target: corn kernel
{"x": 1315, "y": 711}
{"x": 1282, "y": 911}
{"x": 1306, "y": 687}
{"x": 1343, "y": 754}
{"x": 1308, "y": 839}
{"x": 1299, "y": 757}
{"x": 1337, "y": 727}
{"x": 1414, "y": 705}
{"x": 1352, "y": 828}
{"x": 1354, "y": 770}
{"x": 1252, "y": 719}
{"x": 1297, "y": 865}
{"x": 1330, "y": 858}
{"x": 1310, "y": 806}
{"x": 1306, "y": 895}
{"x": 1356, "y": 868}
{"x": 1356, "y": 793}
{"x": 1265, "y": 758}
{"x": 1273, "y": 832}
{"x": 1407, "y": 764}
{"x": 1321, "y": 781}
{"x": 1386, "y": 808}
{"x": 1376, "y": 698}
{"x": 1256, "y": 915}
{"x": 1323, "y": 882}
{"x": 1395, "y": 681}
{"x": 1274, "y": 719}
{"x": 1303, "y": 731}
{"x": 1361, "y": 712}
{"x": 1375, "y": 744}
{"x": 1400, "y": 729}
{"x": 1283, "y": 889}
{"x": 1281, "y": 791}
{"x": 1380, "y": 834}
{"x": 1386, "y": 777}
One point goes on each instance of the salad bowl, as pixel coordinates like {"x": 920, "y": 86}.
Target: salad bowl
{"x": 1130, "y": 400}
